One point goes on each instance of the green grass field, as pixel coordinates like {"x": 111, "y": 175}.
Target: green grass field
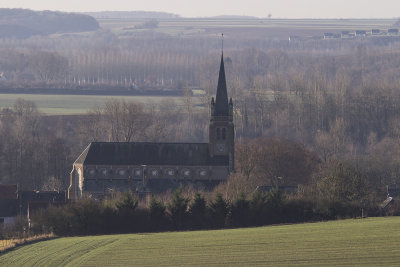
{"x": 374, "y": 241}
{"x": 75, "y": 104}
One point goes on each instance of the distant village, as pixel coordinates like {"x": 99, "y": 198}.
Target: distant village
{"x": 350, "y": 34}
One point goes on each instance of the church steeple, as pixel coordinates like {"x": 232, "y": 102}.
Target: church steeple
{"x": 221, "y": 131}
{"x": 221, "y": 102}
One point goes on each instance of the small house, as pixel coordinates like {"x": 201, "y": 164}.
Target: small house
{"x": 14, "y": 202}
{"x": 32, "y": 201}
{"x": 361, "y": 33}
{"x": 375, "y": 32}
{"x": 346, "y": 34}
{"x": 393, "y": 31}
{"x": 329, "y": 35}
{"x": 294, "y": 38}
{"x": 8, "y": 204}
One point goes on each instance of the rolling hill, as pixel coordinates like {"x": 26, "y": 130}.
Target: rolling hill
{"x": 23, "y": 23}
{"x": 374, "y": 241}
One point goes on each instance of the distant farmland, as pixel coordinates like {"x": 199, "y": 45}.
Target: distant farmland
{"x": 75, "y": 104}
{"x": 374, "y": 241}
{"x": 246, "y": 28}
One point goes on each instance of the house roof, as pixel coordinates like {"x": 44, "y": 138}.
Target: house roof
{"x": 8, "y": 207}
{"x": 9, "y": 191}
{"x": 43, "y": 196}
{"x": 129, "y": 153}
{"x": 221, "y": 100}
{"x": 41, "y": 199}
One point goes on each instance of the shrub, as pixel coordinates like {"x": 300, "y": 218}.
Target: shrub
{"x": 298, "y": 209}
{"x": 275, "y": 203}
{"x": 85, "y": 217}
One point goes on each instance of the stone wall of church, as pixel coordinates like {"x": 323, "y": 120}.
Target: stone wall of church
{"x": 76, "y": 182}
{"x": 102, "y": 179}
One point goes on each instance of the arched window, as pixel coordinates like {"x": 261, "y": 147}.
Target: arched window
{"x": 223, "y": 133}
{"x": 218, "y": 133}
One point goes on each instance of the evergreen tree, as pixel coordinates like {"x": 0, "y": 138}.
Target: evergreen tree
{"x": 275, "y": 205}
{"x": 128, "y": 202}
{"x": 240, "y": 211}
{"x": 178, "y": 209}
{"x": 219, "y": 209}
{"x": 157, "y": 215}
{"x": 258, "y": 208}
{"x": 197, "y": 211}
{"x": 125, "y": 209}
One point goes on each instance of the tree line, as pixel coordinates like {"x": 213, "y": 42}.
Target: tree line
{"x": 125, "y": 214}
{"x": 151, "y": 59}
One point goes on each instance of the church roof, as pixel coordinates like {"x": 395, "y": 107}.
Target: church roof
{"x": 124, "y": 153}
{"x": 221, "y": 101}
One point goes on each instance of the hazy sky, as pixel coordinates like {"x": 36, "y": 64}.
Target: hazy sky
{"x": 201, "y": 8}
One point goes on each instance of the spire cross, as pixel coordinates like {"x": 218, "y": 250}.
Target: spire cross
{"x": 222, "y": 42}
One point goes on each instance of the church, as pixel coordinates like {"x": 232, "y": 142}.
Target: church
{"x": 104, "y": 167}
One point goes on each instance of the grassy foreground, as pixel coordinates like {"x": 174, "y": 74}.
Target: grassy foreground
{"x": 374, "y": 241}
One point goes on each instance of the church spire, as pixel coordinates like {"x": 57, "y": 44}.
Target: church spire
{"x": 222, "y": 131}
{"x": 221, "y": 100}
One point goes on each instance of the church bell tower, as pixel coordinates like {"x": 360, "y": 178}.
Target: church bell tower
{"x": 221, "y": 131}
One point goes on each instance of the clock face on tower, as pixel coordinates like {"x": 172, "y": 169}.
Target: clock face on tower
{"x": 221, "y": 147}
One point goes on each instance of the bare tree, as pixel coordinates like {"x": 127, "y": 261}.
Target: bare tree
{"x": 127, "y": 120}
{"x": 48, "y": 66}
